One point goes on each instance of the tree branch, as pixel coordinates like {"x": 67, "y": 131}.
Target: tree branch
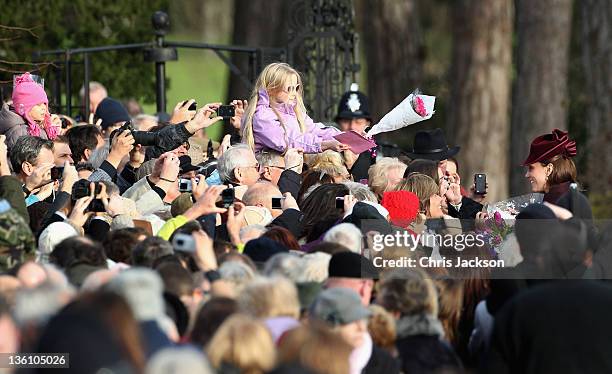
{"x": 26, "y": 29}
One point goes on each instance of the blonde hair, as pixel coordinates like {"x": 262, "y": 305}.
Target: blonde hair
{"x": 421, "y": 185}
{"x": 244, "y": 343}
{"x": 377, "y": 174}
{"x": 271, "y": 80}
{"x": 381, "y": 327}
{"x": 317, "y": 348}
{"x": 270, "y": 297}
{"x": 330, "y": 162}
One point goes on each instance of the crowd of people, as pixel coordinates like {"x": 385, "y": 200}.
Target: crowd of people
{"x": 137, "y": 245}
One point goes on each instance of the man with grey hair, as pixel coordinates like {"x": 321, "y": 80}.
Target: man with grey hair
{"x": 271, "y": 166}
{"x": 97, "y": 93}
{"x": 238, "y": 166}
{"x": 283, "y": 171}
{"x": 31, "y": 161}
{"x": 144, "y": 122}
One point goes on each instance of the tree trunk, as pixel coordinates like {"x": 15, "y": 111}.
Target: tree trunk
{"x": 540, "y": 100}
{"x": 480, "y": 90}
{"x": 394, "y": 51}
{"x": 257, "y": 23}
{"x": 596, "y": 20}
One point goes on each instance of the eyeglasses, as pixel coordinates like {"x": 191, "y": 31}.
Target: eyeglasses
{"x": 256, "y": 166}
{"x": 291, "y": 89}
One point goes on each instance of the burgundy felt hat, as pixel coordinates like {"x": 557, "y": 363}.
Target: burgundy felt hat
{"x": 545, "y": 147}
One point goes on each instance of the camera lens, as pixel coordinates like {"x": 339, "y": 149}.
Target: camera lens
{"x": 144, "y": 138}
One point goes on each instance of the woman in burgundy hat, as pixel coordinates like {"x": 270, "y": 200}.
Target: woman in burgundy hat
{"x": 551, "y": 170}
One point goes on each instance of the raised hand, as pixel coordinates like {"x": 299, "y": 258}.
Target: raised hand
{"x": 39, "y": 176}
{"x": 181, "y": 112}
{"x": 203, "y": 119}
{"x": 294, "y": 159}
{"x": 240, "y": 106}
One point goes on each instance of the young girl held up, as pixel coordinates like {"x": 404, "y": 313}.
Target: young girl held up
{"x": 276, "y": 117}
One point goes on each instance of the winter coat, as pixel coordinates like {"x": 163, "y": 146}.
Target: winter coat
{"x": 421, "y": 348}
{"x": 268, "y": 132}
{"x": 557, "y": 327}
{"x": 168, "y": 138}
{"x": 13, "y": 126}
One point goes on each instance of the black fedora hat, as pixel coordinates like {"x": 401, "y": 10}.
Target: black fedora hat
{"x": 431, "y": 145}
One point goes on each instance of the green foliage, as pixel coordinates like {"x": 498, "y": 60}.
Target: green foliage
{"x": 61, "y": 24}
{"x": 198, "y": 75}
{"x": 601, "y": 205}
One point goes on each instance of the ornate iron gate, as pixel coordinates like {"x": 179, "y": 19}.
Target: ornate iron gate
{"x": 323, "y": 46}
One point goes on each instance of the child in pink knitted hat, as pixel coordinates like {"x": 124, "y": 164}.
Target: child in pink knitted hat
{"x": 31, "y": 103}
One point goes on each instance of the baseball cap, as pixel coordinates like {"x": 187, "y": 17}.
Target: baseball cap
{"x": 338, "y": 306}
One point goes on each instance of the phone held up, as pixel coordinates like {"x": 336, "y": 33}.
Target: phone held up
{"x": 193, "y": 106}
{"x": 277, "y": 202}
{"x": 227, "y": 197}
{"x": 226, "y": 111}
{"x": 480, "y": 184}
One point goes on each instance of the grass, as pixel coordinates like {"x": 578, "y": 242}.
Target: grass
{"x": 197, "y": 74}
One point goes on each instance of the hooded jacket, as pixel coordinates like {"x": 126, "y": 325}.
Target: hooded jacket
{"x": 268, "y": 132}
{"x": 13, "y": 126}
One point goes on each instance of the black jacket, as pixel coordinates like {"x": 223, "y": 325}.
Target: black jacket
{"x": 290, "y": 181}
{"x": 292, "y": 220}
{"x": 168, "y": 138}
{"x": 426, "y": 354}
{"x": 381, "y": 362}
{"x": 468, "y": 209}
{"x": 362, "y": 165}
{"x": 558, "y": 327}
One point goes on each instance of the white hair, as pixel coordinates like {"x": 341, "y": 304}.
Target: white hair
{"x": 178, "y": 360}
{"x": 287, "y": 265}
{"x": 143, "y": 290}
{"x": 98, "y": 155}
{"x": 231, "y": 159}
{"x": 37, "y": 305}
{"x": 251, "y": 232}
{"x": 236, "y": 273}
{"x": 139, "y": 119}
{"x": 93, "y": 87}
{"x": 314, "y": 267}
{"x": 346, "y": 234}
{"x": 361, "y": 191}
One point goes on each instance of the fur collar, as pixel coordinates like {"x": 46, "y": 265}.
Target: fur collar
{"x": 420, "y": 324}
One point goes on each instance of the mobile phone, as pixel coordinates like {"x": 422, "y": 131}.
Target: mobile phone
{"x": 227, "y": 197}
{"x": 277, "y": 202}
{"x": 340, "y": 203}
{"x": 185, "y": 185}
{"x": 226, "y": 111}
{"x": 193, "y": 106}
{"x": 480, "y": 184}
{"x": 81, "y": 189}
{"x": 57, "y": 172}
{"x": 184, "y": 243}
